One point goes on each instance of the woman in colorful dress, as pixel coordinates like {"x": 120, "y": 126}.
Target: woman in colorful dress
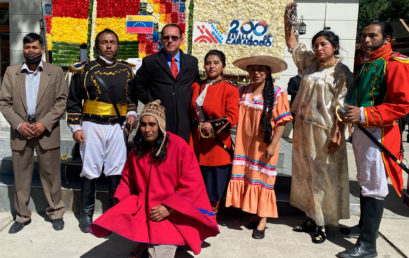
{"x": 215, "y": 109}
{"x": 319, "y": 185}
{"x": 263, "y": 113}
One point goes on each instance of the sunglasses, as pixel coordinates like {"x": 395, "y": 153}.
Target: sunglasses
{"x": 174, "y": 38}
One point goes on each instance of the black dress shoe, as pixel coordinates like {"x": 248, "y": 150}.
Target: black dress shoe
{"x": 319, "y": 235}
{"x": 308, "y": 226}
{"x": 85, "y": 223}
{"x": 58, "y": 224}
{"x": 359, "y": 251}
{"x": 17, "y": 226}
{"x": 258, "y": 234}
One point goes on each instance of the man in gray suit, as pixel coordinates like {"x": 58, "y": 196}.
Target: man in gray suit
{"x": 32, "y": 99}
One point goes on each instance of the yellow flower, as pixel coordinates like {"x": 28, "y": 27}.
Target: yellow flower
{"x": 116, "y": 24}
{"x": 70, "y": 30}
{"x": 49, "y": 41}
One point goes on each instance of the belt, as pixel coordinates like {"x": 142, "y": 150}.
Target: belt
{"x": 31, "y": 119}
{"x": 103, "y": 108}
{"x": 103, "y": 120}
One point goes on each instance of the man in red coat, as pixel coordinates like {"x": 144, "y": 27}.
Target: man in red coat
{"x": 161, "y": 200}
{"x": 380, "y": 96}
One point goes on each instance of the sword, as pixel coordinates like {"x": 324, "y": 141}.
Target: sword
{"x": 374, "y": 140}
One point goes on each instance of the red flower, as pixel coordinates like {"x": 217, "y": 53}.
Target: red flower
{"x": 168, "y": 7}
{"x": 182, "y": 27}
{"x": 48, "y": 22}
{"x": 175, "y": 17}
{"x": 73, "y": 9}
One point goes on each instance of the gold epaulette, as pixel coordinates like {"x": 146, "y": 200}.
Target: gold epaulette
{"x": 127, "y": 63}
{"x": 78, "y": 67}
{"x": 400, "y": 58}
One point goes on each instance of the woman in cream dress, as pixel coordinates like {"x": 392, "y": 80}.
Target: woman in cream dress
{"x": 319, "y": 184}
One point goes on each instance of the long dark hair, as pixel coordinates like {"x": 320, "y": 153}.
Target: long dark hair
{"x": 268, "y": 96}
{"x": 386, "y": 28}
{"x": 142, "y": 147}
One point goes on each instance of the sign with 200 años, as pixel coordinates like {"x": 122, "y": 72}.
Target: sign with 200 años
{"x": 241, "y": 32}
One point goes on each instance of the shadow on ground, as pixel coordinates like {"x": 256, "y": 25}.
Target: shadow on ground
{"x": 109, "y": 249}
{"x": 393, "y": 202}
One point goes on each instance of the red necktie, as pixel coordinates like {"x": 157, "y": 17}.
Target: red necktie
{"x": 173, "y": 67}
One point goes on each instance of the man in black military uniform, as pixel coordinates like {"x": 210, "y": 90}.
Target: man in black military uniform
{"x": 98, "y": 123}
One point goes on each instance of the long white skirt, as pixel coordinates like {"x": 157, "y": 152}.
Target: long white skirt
{"x": 319, "y": 185}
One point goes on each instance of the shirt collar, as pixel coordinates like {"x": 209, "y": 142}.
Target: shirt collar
{"x": 177, "y": 56}
{"x": 106, "y": 61}
{"x": 25, "y": 68}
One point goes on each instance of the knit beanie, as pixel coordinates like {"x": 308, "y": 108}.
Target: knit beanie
{"x": 156, "y": 110}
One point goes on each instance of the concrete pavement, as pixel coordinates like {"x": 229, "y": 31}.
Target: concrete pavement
{"x": 39, "y": 239}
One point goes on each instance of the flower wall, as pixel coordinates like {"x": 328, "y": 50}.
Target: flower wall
{"x": 236, "y": 27}
{"x": 78, "y": 22}
{"x": 68, "y": 29}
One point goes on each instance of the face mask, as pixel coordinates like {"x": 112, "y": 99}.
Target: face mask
{"x": 31, "y": 59}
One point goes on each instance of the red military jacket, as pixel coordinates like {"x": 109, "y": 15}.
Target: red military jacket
{"x": 394, "y": 107}
{"x": 222, "y": 100}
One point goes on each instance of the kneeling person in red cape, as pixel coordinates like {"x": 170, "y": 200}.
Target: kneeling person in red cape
{"x": 161, "y": 200}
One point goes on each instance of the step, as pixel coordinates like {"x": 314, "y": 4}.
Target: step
{"x": 70, "y": 179}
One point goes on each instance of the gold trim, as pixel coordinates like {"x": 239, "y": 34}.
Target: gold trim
{"x": 199, "y": 127}
{"x": 400, "y": 59}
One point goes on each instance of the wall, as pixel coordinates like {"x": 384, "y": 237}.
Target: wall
{"x": 340, "y": 16}
{"x": 24, "y": 18}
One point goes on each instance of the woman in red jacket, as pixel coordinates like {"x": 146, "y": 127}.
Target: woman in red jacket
{"x": 214, "y": 109}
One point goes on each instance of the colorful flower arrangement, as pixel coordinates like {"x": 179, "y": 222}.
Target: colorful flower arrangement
{"x": 68, "y": 30}
{"x": 78, "y": 22}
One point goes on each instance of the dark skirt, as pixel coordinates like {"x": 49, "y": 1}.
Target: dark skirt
{"x": 216, "y": 180}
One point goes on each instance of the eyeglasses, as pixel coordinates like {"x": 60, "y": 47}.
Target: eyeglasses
{"x": 174, "y": 38}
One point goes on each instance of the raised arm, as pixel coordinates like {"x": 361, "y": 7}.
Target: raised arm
{"x": 290, "y": 38}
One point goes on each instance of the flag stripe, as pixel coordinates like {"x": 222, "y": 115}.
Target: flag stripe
{"x": 139, "y": 30}
{"x": 139, "y": 24}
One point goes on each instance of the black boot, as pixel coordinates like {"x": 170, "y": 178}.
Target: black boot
{"x": 366, "y": 244}
{"x": 87, "y": 203}
{"x": 113, "y": 182}
{"x": 355, "y": 231}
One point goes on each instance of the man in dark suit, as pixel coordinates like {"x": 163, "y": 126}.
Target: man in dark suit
{"x": 168, "y": 76}
{"x": 32, "y": 99}
{"x": 293, "y": 86}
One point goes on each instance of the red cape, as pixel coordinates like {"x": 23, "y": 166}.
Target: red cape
{"x": 177, "y": 183}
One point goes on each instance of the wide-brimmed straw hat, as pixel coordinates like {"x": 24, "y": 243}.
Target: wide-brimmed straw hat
{"x": 260, "y": 58}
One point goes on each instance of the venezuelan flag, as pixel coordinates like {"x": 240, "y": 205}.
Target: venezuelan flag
{"x": 142, "y": 24}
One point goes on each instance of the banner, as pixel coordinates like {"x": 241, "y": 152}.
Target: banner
{"x": 238, "y": 28}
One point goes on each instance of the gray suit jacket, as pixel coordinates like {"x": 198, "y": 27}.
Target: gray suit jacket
{"x": 51, "y": 100}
